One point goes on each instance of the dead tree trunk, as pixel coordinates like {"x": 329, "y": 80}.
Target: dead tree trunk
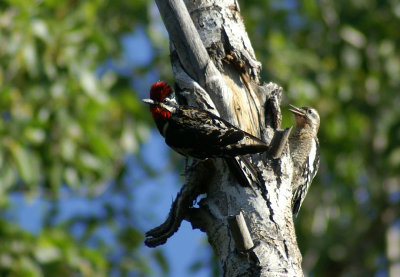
{"x": 215, "y": 68}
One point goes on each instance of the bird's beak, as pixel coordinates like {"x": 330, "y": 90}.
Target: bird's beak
{"x": 297, "y": 111}
{"x": 148, "y": 101}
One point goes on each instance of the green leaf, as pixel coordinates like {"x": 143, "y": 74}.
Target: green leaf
{"x": 24, "y": 160}
{"x": 161, "y": 260}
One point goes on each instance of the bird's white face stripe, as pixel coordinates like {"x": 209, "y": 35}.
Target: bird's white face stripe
{"x": 316, "y": 113}
{"x": 168, "y": 107}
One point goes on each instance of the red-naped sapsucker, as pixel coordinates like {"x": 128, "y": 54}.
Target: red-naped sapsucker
{"x": 200, "y": 134}
{"x": 195, "y": 132}
{"x": 304, "y": 151}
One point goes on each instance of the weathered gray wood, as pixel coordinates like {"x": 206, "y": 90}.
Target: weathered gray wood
{"x": 184, "y": 36}
{"x": 213, "y": 61}
{"x": 193, "y": 55}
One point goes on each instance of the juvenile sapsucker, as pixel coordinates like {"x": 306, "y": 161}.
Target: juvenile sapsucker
{"x": 304, "y": 151}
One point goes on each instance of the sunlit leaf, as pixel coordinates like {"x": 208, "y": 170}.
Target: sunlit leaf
{"x": 25, "y": 163}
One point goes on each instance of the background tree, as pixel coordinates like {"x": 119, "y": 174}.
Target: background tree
{"x": 340, "y": 57}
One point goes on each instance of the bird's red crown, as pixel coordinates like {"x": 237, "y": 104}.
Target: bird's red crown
{"x": 159, "y": 91}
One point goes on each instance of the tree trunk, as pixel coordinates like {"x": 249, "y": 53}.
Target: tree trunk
{"x": 215, "y": 68}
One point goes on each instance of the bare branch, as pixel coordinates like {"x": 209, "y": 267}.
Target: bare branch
{"x": 193, "y": 55}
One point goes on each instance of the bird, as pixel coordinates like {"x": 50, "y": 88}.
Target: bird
{"x": 200, "y": 134}
{"x": 305, "y": 153}
{"x": 195, "y": 132}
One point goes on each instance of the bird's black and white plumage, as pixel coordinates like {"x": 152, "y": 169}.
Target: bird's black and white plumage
{"x": 246, "y": 173}
{"x": 304, "y": 151}
{"x": 198, "y": 133}
{"x": 201, "y": 134}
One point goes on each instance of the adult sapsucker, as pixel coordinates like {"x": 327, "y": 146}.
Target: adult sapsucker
{"x": 200, "y": 134}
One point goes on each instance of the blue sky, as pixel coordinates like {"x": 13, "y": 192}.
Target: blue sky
{"x": 151, "y": 203}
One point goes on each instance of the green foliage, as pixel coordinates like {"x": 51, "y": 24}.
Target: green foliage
{"x": 343, "y": 58}
{"x": 63, "y": 125}
{"x": 60, "y": 124}
{"x": 52, "y": 253}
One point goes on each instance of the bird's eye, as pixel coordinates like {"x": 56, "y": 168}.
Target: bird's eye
{"x": 309, "y": 111}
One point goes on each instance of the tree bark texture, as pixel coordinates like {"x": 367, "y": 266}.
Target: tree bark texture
{"x": 215, "y": 68}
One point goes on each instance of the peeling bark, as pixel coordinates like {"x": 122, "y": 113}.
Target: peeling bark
{"x": 215, "y": 69}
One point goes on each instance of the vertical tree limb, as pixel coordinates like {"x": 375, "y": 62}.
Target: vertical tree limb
{"x": 213, "y": 60}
